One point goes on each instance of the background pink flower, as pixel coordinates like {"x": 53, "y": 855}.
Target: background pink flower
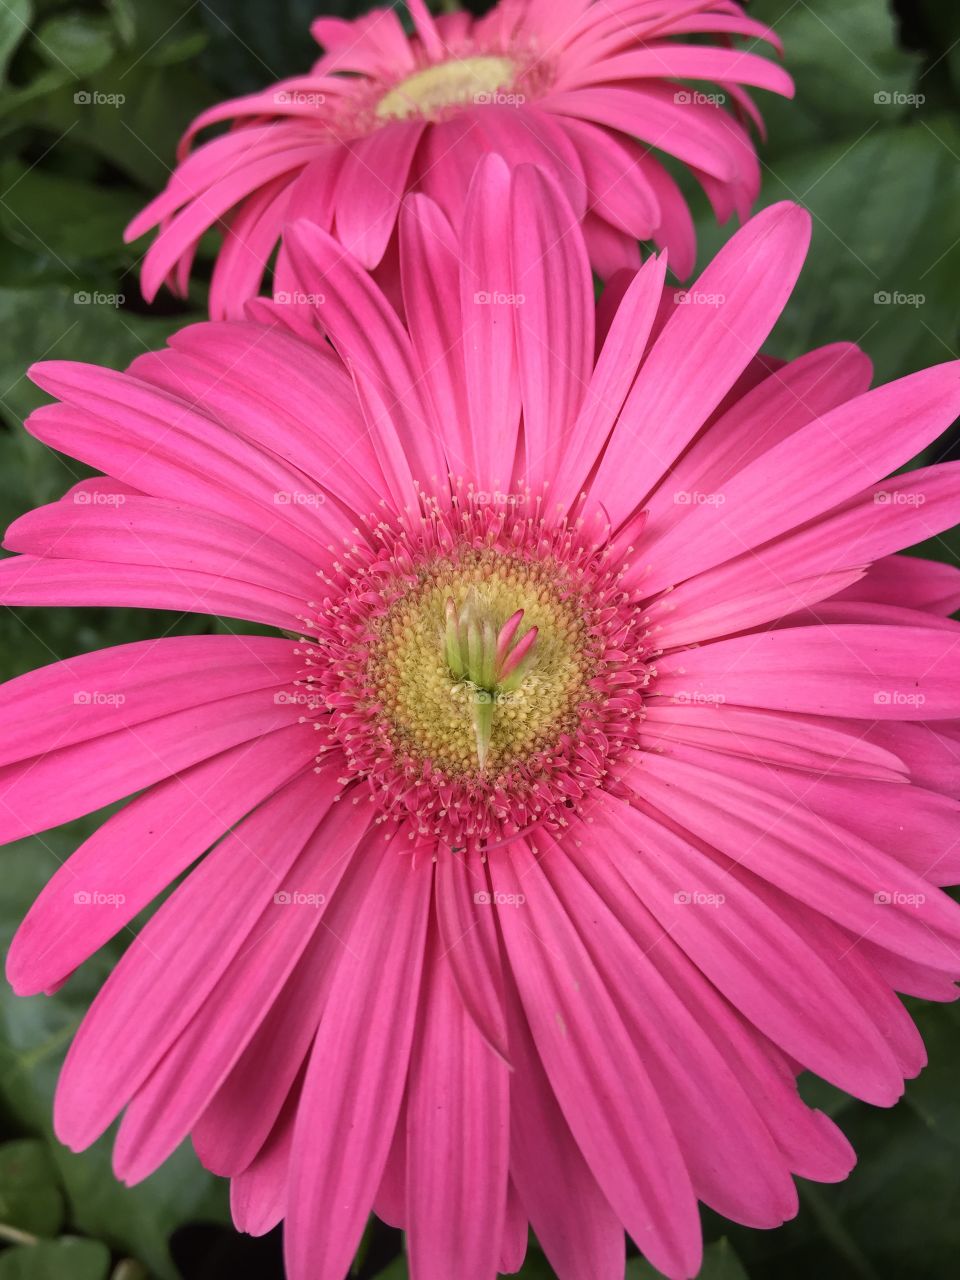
{"x": 727, "y": 764}
{"x": 586, "y": 90}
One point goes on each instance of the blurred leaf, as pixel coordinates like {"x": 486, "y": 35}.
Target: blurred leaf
{"x": 30, "y": 1198}
{"x": 883, "y": 270}
{"x": 65, "y": 1259}
{"x": 893, "y": 1219}
{"x": 124, "y": 19}
{"x": 32, "y": 214}
{"x": 15, "y": 18}
{"x": 80, "y": 43}
{"x": 159, "y": 29}
{"x": 139, "y": 1220}
{"x": 83, "y": 323}
{"x": 536, "y": 1267}
{"x": 719, "y": 1263}
{"x": 35, "y": 1034}
{"x": 397, "y": 1270}
{"x": 943, "y": 23}
{"x": 849, "y": 72}
{"x": 136, "y": 117}
{"x": 823, "y": 1096}
{"x": 252, "y": 45}
{"x": 934, "y": 1095}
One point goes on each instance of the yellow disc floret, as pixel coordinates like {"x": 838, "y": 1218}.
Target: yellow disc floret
{"x": 458, "y": 82}
{"x": 465, "y": 682}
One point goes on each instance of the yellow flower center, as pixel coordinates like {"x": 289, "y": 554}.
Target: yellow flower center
{"x": 450, "y": 693}
{"x": 447, "y": 84}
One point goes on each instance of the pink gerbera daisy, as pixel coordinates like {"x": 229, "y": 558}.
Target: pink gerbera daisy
{"x": 608, "y": 786}
{"x": 582, "y": 89}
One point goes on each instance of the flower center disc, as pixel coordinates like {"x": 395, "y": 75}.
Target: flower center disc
{"x": 480, "y": 670}
{"x": 447, "y": 84}
{"x": 432, "y": 709}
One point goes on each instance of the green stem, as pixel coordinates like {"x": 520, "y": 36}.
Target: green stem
{"x": 15, "y": 1236}
{"x": 482, "y": 723}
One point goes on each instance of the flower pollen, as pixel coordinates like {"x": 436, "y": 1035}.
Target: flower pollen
{"x": 435, "y": 89}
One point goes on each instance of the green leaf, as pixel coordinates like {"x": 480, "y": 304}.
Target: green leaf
{"x": 164, "y": 33}
{"x": 850, "y": 73}
{"x": 32, "y": 214}
{"x": 65, "y": 1259}
{"x": 34, "y": 1035}
{"x": 884, "y": 265}
{"x": 397, "y": 1270}
{"x": 79, "y": 43}
{"x": 139, "y": 1220}
{"x": 78, "y": 322}
{"x": 30, "y": 1198}
{"x": 15, "y": 18}
{"x": 253, "y": 44}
